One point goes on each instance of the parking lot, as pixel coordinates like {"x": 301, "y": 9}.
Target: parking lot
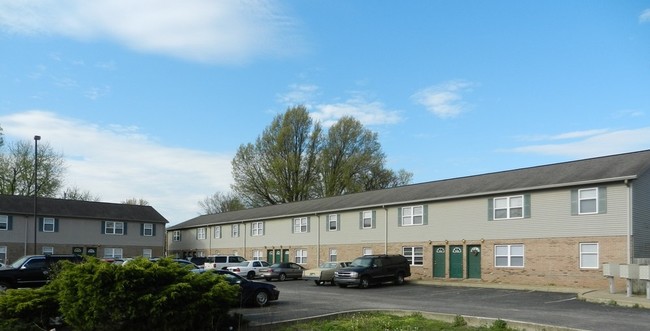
{"x": 302, "y": 299}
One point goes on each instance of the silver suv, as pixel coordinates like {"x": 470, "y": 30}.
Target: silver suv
{"x": 222, "y": 261}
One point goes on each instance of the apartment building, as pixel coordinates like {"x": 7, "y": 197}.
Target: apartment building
{"x": 550, "y": 225}
{"x": 63, "y": 226}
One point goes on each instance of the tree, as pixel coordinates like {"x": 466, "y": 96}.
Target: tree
{"x": 17, "y": 170}
{"x": 221, "y": 203}
{"x": 292, "y": 161}
{"x": 136, "y": 201}
{"x": 75, "y": 193}
{"x": 281, "y": 166}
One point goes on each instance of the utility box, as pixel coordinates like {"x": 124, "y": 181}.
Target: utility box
{"x": 644, "y": 272}
{"x": 629, "y": 271}
{"x": 610, "y": 269}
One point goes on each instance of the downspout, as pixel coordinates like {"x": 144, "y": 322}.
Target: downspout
{"x": 244, "y": 238}
{"x": 317, "y": 241}
{"x": 629, "y": 221}
{"x": 385, "y": 229}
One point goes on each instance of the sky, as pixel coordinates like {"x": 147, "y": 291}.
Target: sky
{"x": 150, "y": 99}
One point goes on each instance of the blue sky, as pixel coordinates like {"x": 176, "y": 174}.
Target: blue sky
{"x": 151, "y": 98}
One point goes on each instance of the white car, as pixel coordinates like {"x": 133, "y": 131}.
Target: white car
{"x": 248, "y": 269}
{"x": 325, "y": 272}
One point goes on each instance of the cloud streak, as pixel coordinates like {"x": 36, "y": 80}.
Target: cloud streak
{"x": 196, "y": 30}
{"x": 444, "y": 100}
{"x": 117, "y": 163}
{"x": 645, "y": 16}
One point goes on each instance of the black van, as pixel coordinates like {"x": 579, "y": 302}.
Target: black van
{"x": 31, "y": 270}
{"x": 374, "y": 269}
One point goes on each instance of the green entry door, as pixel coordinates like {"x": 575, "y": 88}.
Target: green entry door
{"x": 439, "y": 265}
{"x": 455, "y": 261}
{"x": 474, "y": 261}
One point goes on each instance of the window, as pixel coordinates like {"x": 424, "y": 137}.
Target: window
{"x": 589, "y": 255}
{"x": 147, "y": 229}
{"x": 257, "y": 255}
{"x": 413, "y": 215}
{"x": 300, "y": 225}
{"x": 366, "y": 251}
{"x": 3, "y": 254}
{"x": 48, "y": 250}
{"x": 113, "y": 252}
{"x": 301, "y": 256}
{"x": 48, "y": 225}
{"x": 257, "y": 229}
{"x": 415, "y": 255}
{"x": 200, "y": 234}
{"x": 147, "y": 252}
{"x": 509, "y": 207}
{"x": 111, "y": 227}
{"x": 234, "y": 231}
{"x": 588, "y": 201}
{"x": 176, "y": 235}
{"x": 217, "y": 231}
{"x": 333, "y": 254}
{"x": 4, "y": 223}
{"x": 332, "y": 222}
{"x": 367, "y": 219}
{"x": 509, "y": 255}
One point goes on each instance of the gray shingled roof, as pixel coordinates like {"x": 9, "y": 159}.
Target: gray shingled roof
{"x": 595, "y": 170}
{"x": 23, "y": 205}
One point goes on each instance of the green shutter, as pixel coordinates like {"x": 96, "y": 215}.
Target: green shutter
{"x": 490, "y": 209}
{"x": 125, "y": 223}
{"x": 425, "y": 214}
{"x": 361, "y": 220}
{"x": 263, "y": 228}
{"x": 153, "y": 229}
{"x": 141, "y": 229}
{"x": 602, "y": 200}
{"x": 10, "y": 221}
{"x": 56, "y": 225}
{"x": 374, "y": 217}
{"x": 338, "y": 222}
{"x": 40, "y": 224}
{"x": 526, "y": 205}
{"x": 103, "y": 227}
{"x": 308, "y": 222}
{"x": 399, "y": 216}
{"x": 293, "y": 221}
{"x": 574, "y": 202}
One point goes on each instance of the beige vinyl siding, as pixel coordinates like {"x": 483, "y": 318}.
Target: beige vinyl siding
{"x": 89, "y": 232}
{"x": 350, "y": 232}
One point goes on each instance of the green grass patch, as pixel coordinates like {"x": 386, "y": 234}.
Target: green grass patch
{"x": 387, "y": 322}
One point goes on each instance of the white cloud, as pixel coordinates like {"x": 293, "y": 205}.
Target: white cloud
{"x": 299, "y": 94}
{"x": 645, "y": 16}
{"x": 593, "y": 143}
{"x": 444, "y": 100}
{"x": 366, "y": 112}
{"x": 197, "y": 30}
{"x": 117, "y": 163}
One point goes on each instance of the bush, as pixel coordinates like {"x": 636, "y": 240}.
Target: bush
{"x": 28, "y": 309}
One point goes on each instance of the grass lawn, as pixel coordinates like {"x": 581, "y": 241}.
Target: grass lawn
{"x": 388, "y": 322}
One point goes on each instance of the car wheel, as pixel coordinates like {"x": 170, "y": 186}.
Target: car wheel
{"x": 365, "y": 282}
{"x": 282, "y": 277}
{"x": 399, "y": 279}
{"x": 4, "y": 287}
{"x": 261, "y": 298}
{"x": 317, "y": 282}
{"x": 250, "y": 274}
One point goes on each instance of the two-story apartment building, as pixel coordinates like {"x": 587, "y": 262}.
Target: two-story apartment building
{"x": 69, "y": 226}
{"x": 548, "y": 225}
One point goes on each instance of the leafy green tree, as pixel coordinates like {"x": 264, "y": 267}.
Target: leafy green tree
{"x": 221, "y": 203}
{"x": 292, "y": 160}
{"x": 17, "y": 170}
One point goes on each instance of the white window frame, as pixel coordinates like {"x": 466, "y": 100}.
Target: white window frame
{"x": 300, "y": 225}
{"x": 333, "y": 254}
{"x": 410, "y": 214}
{"x": 367, "y": 216}
{"x": 234, "y": 231}
{"x": 257, "y": 254}
{"x": 113, "y": 252}
{"x": 116, "y": 228}
{"x": 176, "y": 235}
{"x": 589, "y": 257}
{"x": 49, "y": 224}
{"x": 332, "y": 222}
{"x": 583, "y": 196}
{"x": 301, "y": 256}
{"x": 509, "y": 255}
{"x": 366, "y": 251}
{"x": 147, "y": 253}
{"x": 147, "y": 229}
{"x": 47, "y": 250}
{"x": 257, "y": 229}
{"x": 4, "y": 222}
{"x": 3, "y": 254}
{"x": 217, "y": 231}
{"x": 510, "y": 205}
{"x": 414, "y": 254}
{"x": 201, "y": 233}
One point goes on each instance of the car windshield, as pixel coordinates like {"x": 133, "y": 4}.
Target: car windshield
{"x": 328, "y": 265}
{"x": 19, "y": 262}
{"x": 361, "y": 262}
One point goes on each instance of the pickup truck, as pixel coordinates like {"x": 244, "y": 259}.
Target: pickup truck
{"x": 31, "y": 270}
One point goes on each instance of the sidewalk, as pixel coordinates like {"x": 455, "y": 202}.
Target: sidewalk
{"x": 603, "y": 296}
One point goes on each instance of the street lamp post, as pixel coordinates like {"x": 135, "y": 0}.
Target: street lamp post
{"x": 36, "y": 139}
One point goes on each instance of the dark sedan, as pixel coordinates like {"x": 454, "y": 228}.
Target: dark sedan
{"x": 282, "y": 271}
{"x": 252, "y": 293}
